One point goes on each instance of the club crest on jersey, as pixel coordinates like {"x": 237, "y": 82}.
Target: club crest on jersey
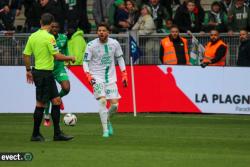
{"x": 106, "y": 59}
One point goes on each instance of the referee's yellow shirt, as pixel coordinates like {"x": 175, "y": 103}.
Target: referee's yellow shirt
{"x": 43, "y": 46}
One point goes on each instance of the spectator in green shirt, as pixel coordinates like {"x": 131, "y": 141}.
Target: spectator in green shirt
{"x": 215, "y": 19}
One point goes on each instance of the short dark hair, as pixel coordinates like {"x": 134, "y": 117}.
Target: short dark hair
{"x": 243, "y": 29}
{"x": 103, "y": 24}
{"x": 216, "y": 3}
{"x": 215, "y": 29}
{"x": 190, "y": 1}
{"x": 174, "y": 26}
{"x": 47, "y": 19}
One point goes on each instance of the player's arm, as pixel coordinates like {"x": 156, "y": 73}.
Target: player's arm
{"x": 121, "y": 62}
{"x": 27, "y": 62}
{"x": 61, "y": 57}
{"x": 87, "y": 58}
{"x": 54, "y": 50}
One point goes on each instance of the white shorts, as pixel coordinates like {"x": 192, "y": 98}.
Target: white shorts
{"x": 110, "y": 91}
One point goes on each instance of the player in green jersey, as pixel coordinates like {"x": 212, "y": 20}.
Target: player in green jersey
{"x": 59, "y": 71}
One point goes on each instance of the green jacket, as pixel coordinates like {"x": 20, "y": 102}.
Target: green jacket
{"x": 240, "y": 18}
{"x": 76, "y": 47}
{"x": 211, "y": 17}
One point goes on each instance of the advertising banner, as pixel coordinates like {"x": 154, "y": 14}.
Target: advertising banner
{"x": 185, "y": 89}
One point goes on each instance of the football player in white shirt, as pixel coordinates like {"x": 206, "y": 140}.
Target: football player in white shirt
{"x": 99, "y": 67}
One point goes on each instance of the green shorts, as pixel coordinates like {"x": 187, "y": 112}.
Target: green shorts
{"x": 60, "y": 75}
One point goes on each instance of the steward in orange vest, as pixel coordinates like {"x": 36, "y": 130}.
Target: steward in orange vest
{"x": 215, "y": 51}
{"x": 174, "y": 49}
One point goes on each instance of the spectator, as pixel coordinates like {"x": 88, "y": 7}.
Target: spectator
{"x": 170, "y": 5}
{"x": 15, "y": 10}
{"x": 52, "y": 7}
{"x": 239, "y": 17}
{"x": 77, "y": 14}
{"x": 215, "y": 19}
{"x": 61, "y": 5}
{"x": 174, "y": 49}
{"x": 198, "y": 10}
{"x": 145, "y": 24}
{"x": 84, "y": 21}
{"x": 4, "y": 11}
{"x": 186, "y": 19}
{"x": 215, "y": 51}
{"x": 159, "y": 14}
{"x": 244, "y": 49}
{"x": 133, "y": 13}
{"x": 32, "y": 12}
{"x": 121, "y": 16}
{"x": 103, "y": 11}
{"x": 140, "y": 3}
{"x": 169, "y": 24}
{"x": 226, "y": 5}
{"x": 76, "y": 43}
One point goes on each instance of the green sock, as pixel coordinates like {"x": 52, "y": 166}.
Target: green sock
{"x": 62, "y": 93}
{"x": 46, "y": 111}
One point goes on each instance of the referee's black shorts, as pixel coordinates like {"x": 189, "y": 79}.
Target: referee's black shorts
{"x": 46, "y": 88}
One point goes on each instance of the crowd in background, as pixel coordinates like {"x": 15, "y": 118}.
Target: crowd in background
{"x": 145, "y": 16}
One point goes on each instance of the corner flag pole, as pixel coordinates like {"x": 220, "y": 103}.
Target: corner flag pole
{"x": 133, "y": 85}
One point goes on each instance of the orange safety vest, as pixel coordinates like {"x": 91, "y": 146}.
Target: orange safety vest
{"x": 210, "y": 51}
{"x": 169, "y": 56}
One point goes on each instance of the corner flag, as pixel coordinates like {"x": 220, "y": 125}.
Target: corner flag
{"x": 134, "y": 50}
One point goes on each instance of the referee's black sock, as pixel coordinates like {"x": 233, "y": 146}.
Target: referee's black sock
{"x": 38, "y": 117}
{"x": 55, "y": 114}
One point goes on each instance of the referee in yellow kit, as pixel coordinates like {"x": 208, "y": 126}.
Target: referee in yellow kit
{"x": 43, "y": 46}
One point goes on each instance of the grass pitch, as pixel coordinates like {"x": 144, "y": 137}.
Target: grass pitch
{"x": 149, "y": 140}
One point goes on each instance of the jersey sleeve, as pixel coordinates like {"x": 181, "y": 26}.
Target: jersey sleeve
{"x": 28, "y": 50}
{"x": 88, "y": 53}
{"x": 118, "y": 51}
{"x": 53, "y": 49}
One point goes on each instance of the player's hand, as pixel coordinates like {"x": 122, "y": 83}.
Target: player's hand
{"x": 29, "y": 77}
{"x": 73, "y": 59}
{"x": 90, "y": 78}
{"x": 125, "y": 78}
{"x": 203, "y": 65}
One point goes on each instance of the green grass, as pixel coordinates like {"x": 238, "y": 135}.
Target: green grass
{"x": 149, "y": 140}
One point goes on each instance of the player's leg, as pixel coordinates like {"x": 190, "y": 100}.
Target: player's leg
{"x": 65, "y": 85}
{"x": 38, "y": 117}
{"x": 99, "y": 93}
{"x": 61, "y": 77}
{"x": 46, "y": 115}
{"x": 41, "y": 98}
{"x": 112, "y": 110}
{"x": 113, "y": 107}
{"x": 55, "y": 111}
{"x": 113, "y": 97}
{"x": 103, "y": 115}
{"x": 65, "y": 88}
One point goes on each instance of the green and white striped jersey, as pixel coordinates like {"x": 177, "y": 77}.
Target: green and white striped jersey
{"x": 101, "y": 59}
